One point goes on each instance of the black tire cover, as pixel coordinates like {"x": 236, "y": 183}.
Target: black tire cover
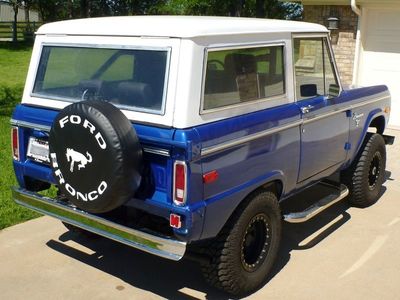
{"x": 95, "y": 155}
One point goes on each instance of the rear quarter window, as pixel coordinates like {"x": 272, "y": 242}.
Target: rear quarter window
{"x": 237, "y": 76}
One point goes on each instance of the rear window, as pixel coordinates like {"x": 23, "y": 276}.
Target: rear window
{"x": 241, "y": 75}
{"x": 129, "y": 78}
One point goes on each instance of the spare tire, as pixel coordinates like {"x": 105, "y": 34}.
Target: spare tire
{"x": 95, "y": 155}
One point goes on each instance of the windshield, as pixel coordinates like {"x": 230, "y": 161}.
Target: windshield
{"x": 129, "y": 78}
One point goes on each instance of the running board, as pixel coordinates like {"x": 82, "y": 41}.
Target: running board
{"x": 318, "y": 207}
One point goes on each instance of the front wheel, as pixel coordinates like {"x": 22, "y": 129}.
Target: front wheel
{"x": 244, "y": 252}
{"x": 366, "y": 175}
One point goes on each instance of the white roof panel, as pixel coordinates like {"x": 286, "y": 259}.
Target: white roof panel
{"x": 175, "y": 26}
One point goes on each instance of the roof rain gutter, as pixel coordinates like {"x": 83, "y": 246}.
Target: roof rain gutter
{"x": 355, "y": 8}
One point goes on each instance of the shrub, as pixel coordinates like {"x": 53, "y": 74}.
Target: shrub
{"x": 10, "y": 96}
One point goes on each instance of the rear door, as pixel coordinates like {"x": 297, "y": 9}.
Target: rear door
{"x": 325, "y": 128}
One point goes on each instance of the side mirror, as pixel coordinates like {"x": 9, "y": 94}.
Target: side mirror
{"x": 308, "y": 90}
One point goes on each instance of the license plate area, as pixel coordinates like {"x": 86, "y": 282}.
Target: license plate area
{"x": 38, "y": 150}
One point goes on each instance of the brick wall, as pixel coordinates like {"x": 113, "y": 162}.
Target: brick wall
{"x": 343, "y": 39}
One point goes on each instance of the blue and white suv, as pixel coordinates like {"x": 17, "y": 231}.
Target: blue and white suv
{"x": 184, "y": 135}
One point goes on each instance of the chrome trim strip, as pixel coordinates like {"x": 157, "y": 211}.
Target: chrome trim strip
{"x": 13, "y": 122}
{"x": 30, "y": 125}
{"x": 316, "y": 118}
{"x": 223, "y": 146}
{"x": 315, "y": 209}
{"x": 160, "y": 246}
{"x": 248, "y": 138}
{"x": 245, "y": 139}
{"x": 162, "y": 152}
{"x": 368, "y": 102}
{"x": 331, "y": 113}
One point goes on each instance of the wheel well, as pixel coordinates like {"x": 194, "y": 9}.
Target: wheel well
{"x": 276, "y": 186}
{"x": 378, "y": 123}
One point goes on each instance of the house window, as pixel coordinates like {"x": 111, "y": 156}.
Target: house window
{"x": 314, "y": 69}
{"x": 241, "y": 75}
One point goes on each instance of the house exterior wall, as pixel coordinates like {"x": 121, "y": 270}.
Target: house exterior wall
{"x": 343, "y": 39}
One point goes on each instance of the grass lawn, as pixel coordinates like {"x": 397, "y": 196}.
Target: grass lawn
{"x": 13, "y": 67}
{"x": 10, "y": 213}
{"x": 14, "y": 64}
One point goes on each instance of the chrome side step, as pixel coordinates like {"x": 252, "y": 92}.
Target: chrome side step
{"x": 318, "y": 207}
{"x": 157, "y": 245}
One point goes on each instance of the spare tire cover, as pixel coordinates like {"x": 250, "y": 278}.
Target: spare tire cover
{"x": 95, "y": 155}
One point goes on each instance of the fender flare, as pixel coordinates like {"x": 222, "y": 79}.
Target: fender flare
{"x": 373, "y": 115}
{"x": 221, "y": 207}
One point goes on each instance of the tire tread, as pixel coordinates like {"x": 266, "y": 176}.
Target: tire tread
{"x": 354, "y": 176}
{"x": 220, "y": 271}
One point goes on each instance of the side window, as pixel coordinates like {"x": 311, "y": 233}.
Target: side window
{"x": 314, "y": 71}
{"x": 241, "y": 75}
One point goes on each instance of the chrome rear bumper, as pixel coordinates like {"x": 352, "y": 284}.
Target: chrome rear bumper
{"x": 160, "y": 246}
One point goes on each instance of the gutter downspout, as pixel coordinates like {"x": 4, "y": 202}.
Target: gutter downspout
{"x": 355, "y": 8}
{"x": 357, "y": 53}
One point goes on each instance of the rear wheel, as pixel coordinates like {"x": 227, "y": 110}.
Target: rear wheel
{"x": 244, "y": 252}
{"x": 367, "y": 173}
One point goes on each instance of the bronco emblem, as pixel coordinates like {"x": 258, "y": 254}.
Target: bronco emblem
{"x": 74, "y": 156}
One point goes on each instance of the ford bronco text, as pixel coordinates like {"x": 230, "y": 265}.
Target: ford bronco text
{"x": 185, "y": 135}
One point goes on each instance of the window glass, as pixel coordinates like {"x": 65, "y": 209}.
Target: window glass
{"x": 241, "y": 75}
{"x": 332, "y": 85}
{"x": 129, "y": 78}
{"x": 121, "y": 69}
{"x": 309, "y": 67}
{"x": 314, "y": 70}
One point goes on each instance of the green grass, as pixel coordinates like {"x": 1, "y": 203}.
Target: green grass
{"x": 14, "y": 63}
{"x": 13, "y": 67}
{"x": 10, "y": 213}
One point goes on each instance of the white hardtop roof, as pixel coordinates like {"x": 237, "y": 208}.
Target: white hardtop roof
{"x": 175, "y": 26}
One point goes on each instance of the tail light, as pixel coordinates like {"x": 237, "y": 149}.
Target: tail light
{"x": 179, "y": 193}
{"x": 175, "y": 221}
{"x": 15, "y": 143}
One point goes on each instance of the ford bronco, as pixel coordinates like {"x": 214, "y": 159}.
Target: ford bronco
{"x": 185, "y": 135}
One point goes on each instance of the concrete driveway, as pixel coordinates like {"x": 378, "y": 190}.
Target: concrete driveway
{"x": 345, "y": 253}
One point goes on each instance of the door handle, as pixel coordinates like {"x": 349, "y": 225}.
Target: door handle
{"x": 306, "y": 109}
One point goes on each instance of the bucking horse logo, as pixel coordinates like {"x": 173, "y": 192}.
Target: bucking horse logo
{"x": 74, "y": 156}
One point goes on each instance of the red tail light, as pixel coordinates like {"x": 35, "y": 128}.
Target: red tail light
{"x": 175, "y": 221}
{"x": 15, "y": 143}
{"x": 179, "y": 183}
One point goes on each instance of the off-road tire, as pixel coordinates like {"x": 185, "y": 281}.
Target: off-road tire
{"x": 365, "y": 176}
{"x": 230, "y": 268}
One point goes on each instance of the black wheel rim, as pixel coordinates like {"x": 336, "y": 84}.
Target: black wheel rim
{"x": 374, "y": 170}
{"x": 256, "y": 242}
